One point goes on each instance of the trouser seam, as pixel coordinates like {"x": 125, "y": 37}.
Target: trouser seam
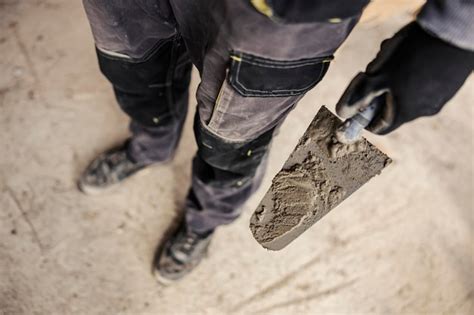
{"x": 143, "y": 59}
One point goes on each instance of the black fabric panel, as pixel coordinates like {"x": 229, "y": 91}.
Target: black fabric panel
{"x": 256, "y": 76}
{"x": 144, "y": 89}
{"x": 300, "y": 11}
{"x": 224, "y": 163}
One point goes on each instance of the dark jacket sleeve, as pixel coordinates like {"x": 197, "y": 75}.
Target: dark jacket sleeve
{"x": 449, "y": 20}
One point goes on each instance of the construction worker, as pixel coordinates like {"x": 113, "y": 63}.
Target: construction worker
{"x": 256, "y": 60}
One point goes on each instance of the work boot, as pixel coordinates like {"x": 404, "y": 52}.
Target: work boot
{"x": 181, "y": 253}
{"x": 108, "y": 169}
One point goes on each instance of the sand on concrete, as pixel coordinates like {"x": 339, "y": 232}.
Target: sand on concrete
{"x": 403, "y": 244}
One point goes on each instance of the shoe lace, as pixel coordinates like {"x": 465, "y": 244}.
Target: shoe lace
{"x": 190, "y": 240}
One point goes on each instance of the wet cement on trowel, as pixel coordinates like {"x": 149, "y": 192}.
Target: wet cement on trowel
{"x": 319, "y": 174}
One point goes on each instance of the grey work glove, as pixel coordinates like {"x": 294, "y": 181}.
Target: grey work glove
{"x": 413, "y": 75}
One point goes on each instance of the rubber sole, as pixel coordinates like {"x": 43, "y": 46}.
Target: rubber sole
{"x": 162, "y": 280}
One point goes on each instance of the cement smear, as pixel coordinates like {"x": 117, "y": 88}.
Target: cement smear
{"x": 318, "y": 175}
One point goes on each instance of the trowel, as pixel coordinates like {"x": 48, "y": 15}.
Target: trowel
{"x": 330, "y": 162}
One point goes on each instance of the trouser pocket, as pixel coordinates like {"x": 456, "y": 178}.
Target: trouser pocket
{"x": 259, "y": 92}
{"x": 147, "y": 90}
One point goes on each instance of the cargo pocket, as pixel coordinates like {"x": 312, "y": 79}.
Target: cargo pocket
{"x": 259, "y": 92}
{"x": 144, "y": 89}
{"x": 255, "y": 76}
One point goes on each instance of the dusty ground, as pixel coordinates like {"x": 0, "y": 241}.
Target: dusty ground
{"x": 402, "y": 244}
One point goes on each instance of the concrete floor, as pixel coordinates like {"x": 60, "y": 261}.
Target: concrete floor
{"x": 403, "y": 244}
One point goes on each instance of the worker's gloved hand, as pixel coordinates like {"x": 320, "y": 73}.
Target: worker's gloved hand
{"x": 413, "y": 75}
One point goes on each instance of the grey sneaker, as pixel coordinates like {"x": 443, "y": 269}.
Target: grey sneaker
{"x": 181, "y": 253}
{"x": 108, "y": 169}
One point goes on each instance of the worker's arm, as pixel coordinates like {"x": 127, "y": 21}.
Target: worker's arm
{"x": 421, "y": 67}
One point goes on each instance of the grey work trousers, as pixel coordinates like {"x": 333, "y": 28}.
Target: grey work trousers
{"x": 253, "y": 72}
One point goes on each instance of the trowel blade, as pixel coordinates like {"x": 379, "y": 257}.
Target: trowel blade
{"x": 319, "y": 174}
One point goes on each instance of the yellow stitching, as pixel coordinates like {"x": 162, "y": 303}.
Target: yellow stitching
{"x": 238, "y": 59}
{"x": 262, "y": 7}
{"x": 217, "y": 104}
{"x": 335, "y": 20}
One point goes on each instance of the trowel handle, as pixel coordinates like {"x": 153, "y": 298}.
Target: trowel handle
{"x": 351, "y": 129}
